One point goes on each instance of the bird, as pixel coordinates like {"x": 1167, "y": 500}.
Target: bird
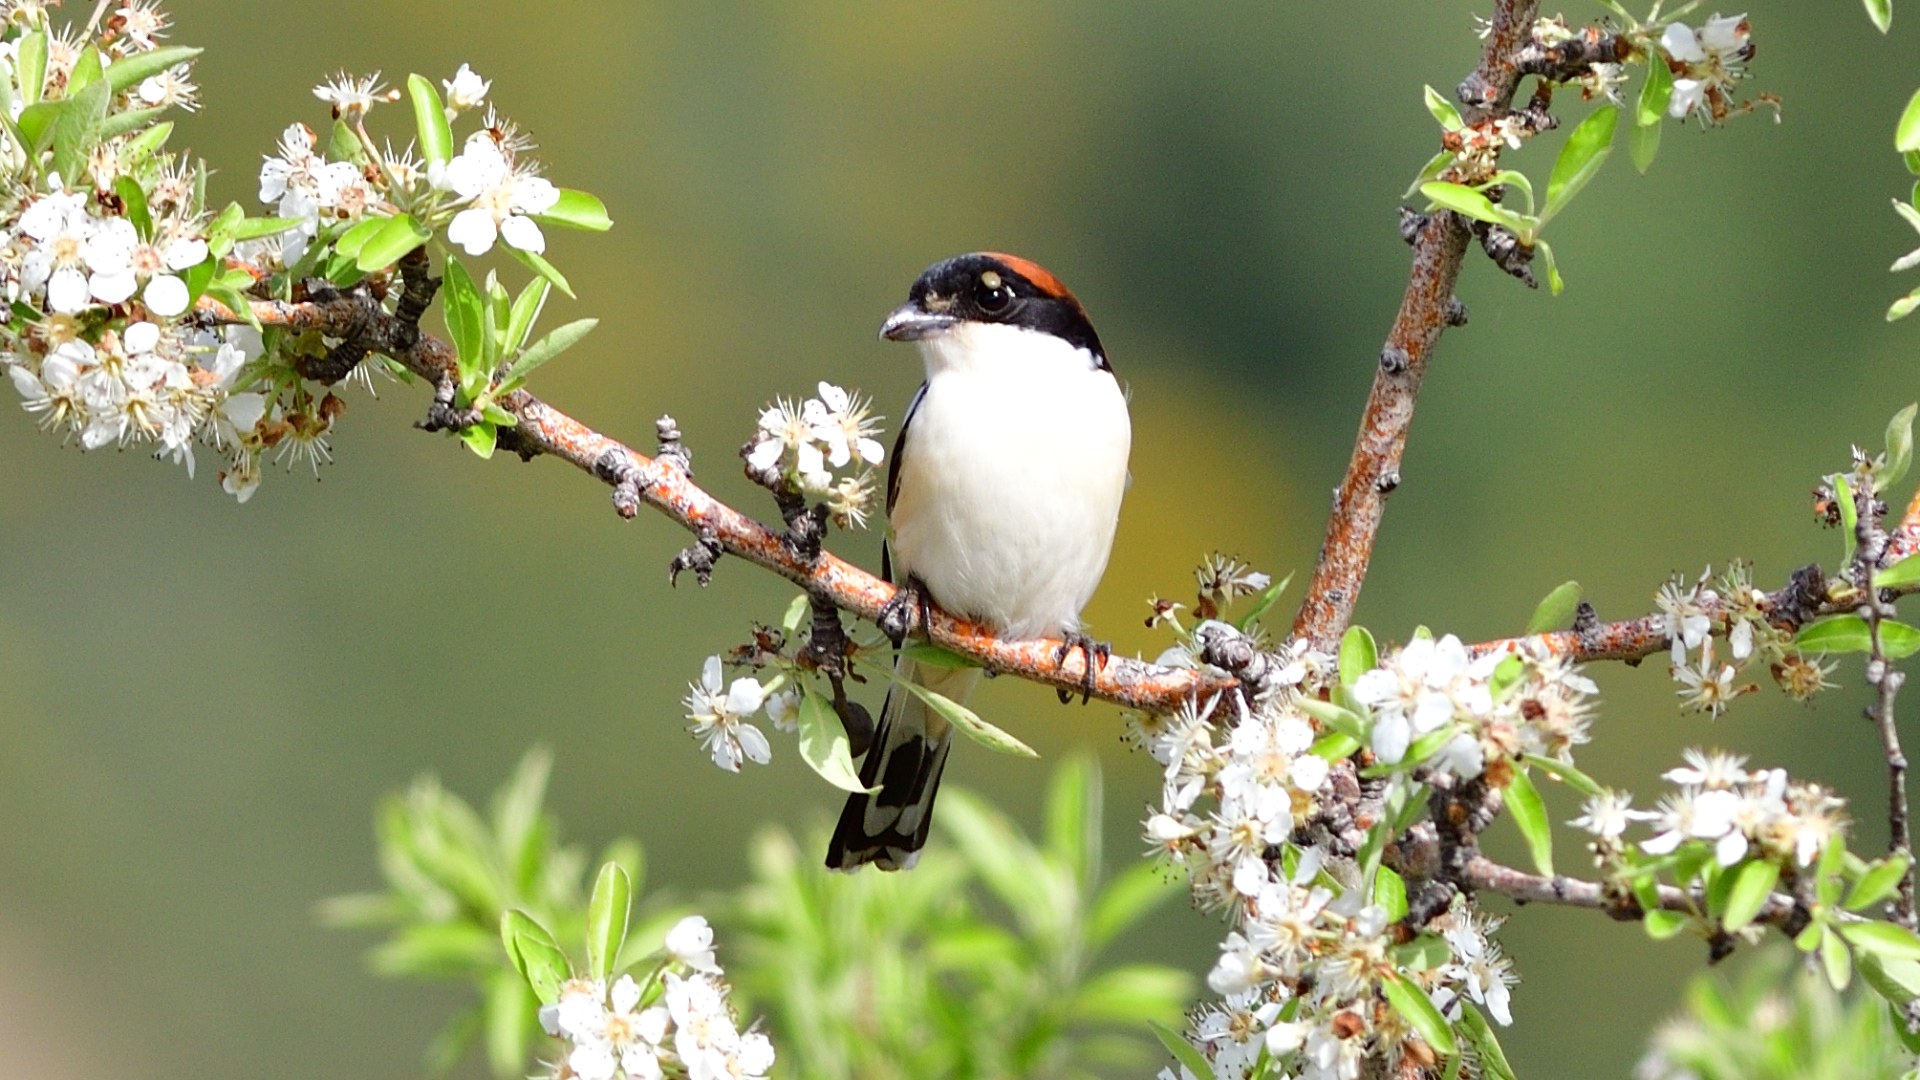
{"x": 1003, "y": 494}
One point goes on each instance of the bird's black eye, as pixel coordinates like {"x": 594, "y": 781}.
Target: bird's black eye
{"x": 992, "y": 293}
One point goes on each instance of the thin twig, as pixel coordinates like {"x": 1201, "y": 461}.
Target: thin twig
{"x": 663, "y": 484}
{"x": 1439, "y": 245}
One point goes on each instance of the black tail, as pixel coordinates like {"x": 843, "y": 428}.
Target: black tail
{"x": 888, "y": 828}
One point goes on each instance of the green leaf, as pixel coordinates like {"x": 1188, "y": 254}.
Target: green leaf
{"x": 969, "y": 722}
{"x": 1904, "y": 306}
{"x": 198, "y": 277}
{"x": 1334, "y": 746}
{"x": 86, "y": 70}
{"x": 1182, "y": 1050}
{"x": 534, "y": 954}
{"x": 1554, "y": 283}
{"x": 506, "y": 1007}
{"x": 255, "y": 228}
{"x": 76, "y": 131}
{"x": 1465, "y": 201}
{"x": 796, "y": 611}
{"x": 1333, "y": 716}
{"x": 1515, "y": 178}
{"x": 120, "y": 123}
{"x": 526, "y": 311}
{"x": 823, "y": 743}
{"x": 1390, "y": 892}
{"x": 450, "y": 1045}
{"x": 131, "y": 71}
{"x": 1444, "y": 111}
{"x": 1131, "y": 994}
{"x": 236, "y": 301}
{"x": 1073, "y": 812}
{"x": 396, "y": 236}
{"x": 1655, "y": 94}
{"x": 1878, "y": 883}
{"x": 1423, "y": 953}
{"x": 1531, "y": 815}
{"x": 1835, "y": 959}
{"x": 146, "y": 143}
{"x": 1435, "y": 165}
{"x": 1906, "y": 134}
{"x": 1896, "y": 980}
{"x": 1899, "y": 448}
{"x": 540, "y": 266}
{"x": 607, "y": 919}
{"x": 1358, "y": 655}
{"x": 560, "y": 340}
{"x": 1848, "y": 633}
{"x": 1585, "y": 151}
{"x": 465, "y": 314}
{"x": 1505, "y": 677}
{"x": 1881, "y": 12}
{"x": 923, "y": 652}
{"x": 1903, "y": 573}
{"x": 576, "y": 210}
{"x": 481, "y": 438}
{"x": 1261, "y": 605}
{"x": 1413, "y": 1003}
{"x": 1556, "y": 610}
{"x": 134, "y": 198}
{"x": 354, "y": 239}
{"x": 1662, "y": 924}
{"x": 1480, "y": 1035}
{"x": 345, "y": 145}
{"x": 1565, "y": 773}
{"x": 31, "y": 63}
{"x": 1752, "y": 885}
{"x": 430, "y": 120}
{"x": 1885, "y": 940}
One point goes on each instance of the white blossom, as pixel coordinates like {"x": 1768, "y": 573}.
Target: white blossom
{"x": 501, "y": 195}
{"x": 720, "y": 716}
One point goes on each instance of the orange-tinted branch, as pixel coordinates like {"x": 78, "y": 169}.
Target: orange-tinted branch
{"x": 661, "y": 483}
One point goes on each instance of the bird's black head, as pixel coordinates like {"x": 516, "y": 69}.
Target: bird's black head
{"x": 990, "y": 287}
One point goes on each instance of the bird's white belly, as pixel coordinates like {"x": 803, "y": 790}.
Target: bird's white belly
{"x": 1010, "y": 489}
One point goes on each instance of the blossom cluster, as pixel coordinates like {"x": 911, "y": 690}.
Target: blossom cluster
{"x": 677, "y": 1023}
{"x": 804, "y": 442}
{"x": 1691, "y": 613}
{"x": 1500, "y": 706}
{"x": 1707, "y": 63}
{"x": 1719, "y": 802}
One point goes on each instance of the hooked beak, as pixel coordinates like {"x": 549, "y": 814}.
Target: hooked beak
{"x": 909, "y": 323}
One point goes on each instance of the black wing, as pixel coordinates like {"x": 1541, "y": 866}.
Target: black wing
{"x": 893, "y": 475}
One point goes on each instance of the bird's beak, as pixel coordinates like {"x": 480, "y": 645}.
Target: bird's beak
{"x": 909, "y": 323}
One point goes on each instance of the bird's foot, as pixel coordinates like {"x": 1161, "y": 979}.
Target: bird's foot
{"x": 897, "y": 618}
{"x": 1096, "y": 653}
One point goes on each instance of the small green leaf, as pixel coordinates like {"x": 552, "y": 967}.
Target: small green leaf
{"x": 1662, "y": 924}
{"x": 526, "y": 311}
{"x": 1554, "y": 283}
{"x": 1465, "y": 201}
{"x": 534, "y": 954}
{"x": 1881, "y": 12}
{"x": 76, "y": 131}
{"x": 560, "y": 340}
{"x": 1334, "y": 746}
{"x": 1585, "y": 151}
{"x": 1358, "y": 654}
{"x": 1565, "y": 773}
{"x": 1183, "y": 1051}
{"x": 1505, "y": 677}
{"x": 506, "y": 1007}
{"x": 1896, "y": 980}
{"x": 1904, "y": 306}
{"x": 796, "y": 611}
{"x": 354, "y": 239}
{"x": 430, "y": 121}
{"x": 1655, "y": 94}
{"x": 1479, "y": 1033}
{"x": 31, "y": 62}
{"x": 540, "y": 266}
{"x": 1899, "y": 448}
{"x": 1435, "y": 165}
{"x": 1848, "y": 633}
{"x": 146, "y": 143}
{"x": 1332, "y": 716}
{"x": 1417, "y": 1008}
{"x": 131, "y": 71}
{"x": 465, "y": 314}
{"x": 576, "y": 210}
{"x": 86, "y": 70}
{"x": 607, "y": 919}
{"x": 1900, "y": 574}
{"x": 923, "y": 652}
{"x": 396, "y": 236}
{"x": 1444, "y": 111}
{"x": 345, "y": 145}
{"x": 481, "y": 438}
{"x": 1752, "y": 885}
{"x": 1261, "y": 606}
{"x": 134, "y": 198}
{"x": 1390, "y": 892}
{"x": 1885, "y": 940}
{"x": 969, "y": 722}
{"x": 1878, "y": 883}
{"x": 823, "y": 743}
{"x": 120, "y": 123}
{"x": 1835, "y": 959}
{"x": 1530, "y": 813}
{"x": 1423, "y": 953}
{"x": 1515, "y": 178}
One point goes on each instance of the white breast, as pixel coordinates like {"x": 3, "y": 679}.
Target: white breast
{"x": 1011, "y": 478}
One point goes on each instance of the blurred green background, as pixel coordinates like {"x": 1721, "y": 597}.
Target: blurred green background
{"x": 202, "y": 702}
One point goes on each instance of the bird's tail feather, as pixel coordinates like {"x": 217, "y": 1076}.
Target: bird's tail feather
{"x": 909, "y": 749}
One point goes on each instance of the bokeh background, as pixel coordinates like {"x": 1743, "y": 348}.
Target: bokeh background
{"x": 200, "y": 703}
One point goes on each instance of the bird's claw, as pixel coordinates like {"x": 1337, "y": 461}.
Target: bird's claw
{"x": 897, "y": 618}
{"x": 1096, "y": 653}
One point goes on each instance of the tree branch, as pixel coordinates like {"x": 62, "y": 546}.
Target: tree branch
{"x": 1439, "y": 245}
{"x": 663, "y": 483}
